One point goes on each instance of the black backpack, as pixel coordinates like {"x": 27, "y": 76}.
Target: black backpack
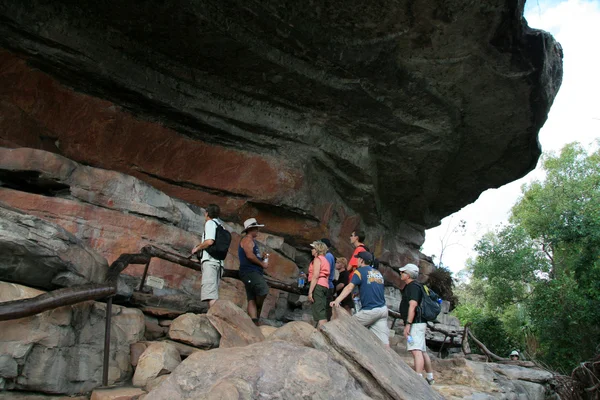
{"x": 429, "y": 307}
{"x": 220, "y": 247}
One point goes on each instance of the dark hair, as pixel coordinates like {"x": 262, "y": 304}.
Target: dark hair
{"x": 213, "y": 211}
{"x": 361, "y": 235}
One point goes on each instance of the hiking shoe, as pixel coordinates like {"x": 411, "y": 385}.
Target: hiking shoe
{"x": 430, "y": 381}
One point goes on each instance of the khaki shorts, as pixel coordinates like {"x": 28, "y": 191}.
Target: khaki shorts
{"x": 417, "y": 331}
{"x": 376, "y": 321}
{"x": 211, "y": 276}
{"x": 319, "y": 307}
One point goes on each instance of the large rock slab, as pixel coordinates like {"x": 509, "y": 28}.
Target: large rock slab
{"x": 360, "y": 346}
{"x": 263, "y": 370}
{"x": 234, "y": 325}
{"x": 44, "y": 255}
{"x": 60, "y": 351}
{"x": 158, "y": 359}
{"x": 195, "y": 330}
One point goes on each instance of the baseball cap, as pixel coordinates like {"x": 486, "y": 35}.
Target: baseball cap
{"x": 410, "y": 268}
{"x": 514, "y": 353}
{"x": 366, "y": 256}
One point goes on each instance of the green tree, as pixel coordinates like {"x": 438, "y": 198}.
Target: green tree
{"x": 540, "y": 275}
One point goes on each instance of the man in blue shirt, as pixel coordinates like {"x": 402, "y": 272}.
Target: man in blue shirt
{"x": 329, "y": 256}
{"x": 374, "y": 312}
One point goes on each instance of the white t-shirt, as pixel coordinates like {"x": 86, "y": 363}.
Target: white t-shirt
{"x": 210, "y": 232}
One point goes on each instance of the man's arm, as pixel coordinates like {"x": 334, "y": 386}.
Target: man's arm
{"x": 248, "y": 247}
{"x": 412, "y": 308}
{"x": 207, "y": 242}
{"x": 347, "y": 290}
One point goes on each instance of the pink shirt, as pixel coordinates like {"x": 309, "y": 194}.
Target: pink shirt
{"x": 323, "y": 272}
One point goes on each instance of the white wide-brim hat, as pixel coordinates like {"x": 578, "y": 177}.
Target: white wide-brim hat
{"x": 251, "y": 223}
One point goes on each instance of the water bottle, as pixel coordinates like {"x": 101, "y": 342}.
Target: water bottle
{"x": 301, "y": 279}
{"x": 409, "y": 340}
{"x": 357, "y": 305}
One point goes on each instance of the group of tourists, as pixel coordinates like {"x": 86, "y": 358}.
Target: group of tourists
{"x": 353, "y": 284}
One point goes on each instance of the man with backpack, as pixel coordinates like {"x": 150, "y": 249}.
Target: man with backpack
{"x": 212, "y": 255}
{"x": 414, "y": 324}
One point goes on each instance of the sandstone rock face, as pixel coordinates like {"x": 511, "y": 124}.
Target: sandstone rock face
{"x": 261, "y": 370}
{"x": 195, "y": 330}
{"x": 158, "y": 359}
{"x": 111, "y": 213}
{"x": 314, "y": 119}
{"x": 234, "y": 325}
{"x": 60, "y": 351}
{"x": 37, "y": 253}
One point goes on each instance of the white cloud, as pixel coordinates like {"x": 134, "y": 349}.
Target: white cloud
{"x": 575, "y": 116}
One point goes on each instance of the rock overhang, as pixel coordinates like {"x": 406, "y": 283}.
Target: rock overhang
{"x": 403, "y": 112}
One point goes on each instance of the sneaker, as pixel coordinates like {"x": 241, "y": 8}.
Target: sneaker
{"x": 430, "y": 381}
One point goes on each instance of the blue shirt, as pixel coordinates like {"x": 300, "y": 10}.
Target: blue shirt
{"x": 331, "y": 260}
{"x": 247, "y": 265}
{"x": 370, "y": 283}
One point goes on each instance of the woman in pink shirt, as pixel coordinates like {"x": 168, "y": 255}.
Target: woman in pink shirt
{"x": 318, "y": 274}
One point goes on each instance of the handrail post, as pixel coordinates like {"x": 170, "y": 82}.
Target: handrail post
{"x": 145, "y": 274}
{"x": 107, "y": 342}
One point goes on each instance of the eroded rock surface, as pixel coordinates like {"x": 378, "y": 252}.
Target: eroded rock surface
{"x": 60, "y": 351}
{"x": 44, "y": 255}
{"x": 265, "y": 369}
{"x": 314, "y": 118}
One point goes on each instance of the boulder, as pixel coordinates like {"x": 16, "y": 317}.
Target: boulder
{"x": 297, "y": 332}
{"x": 195, "y": 330}
{"x": 158, "y": 359}
{"x": 60, "y": 351}
{"x": 267, "y": 369}
{"x": 41, "y": 254}
{"x": 459, "y": 378}
{"x": 267, "y": 330}
{"x": 360, "y": 346}
{"x": 515, "y": 372}
{"x": 120, "y": 393}
{"x": 234, "y": 325}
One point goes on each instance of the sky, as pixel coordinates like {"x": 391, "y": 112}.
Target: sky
{"x": 574, "y": 116}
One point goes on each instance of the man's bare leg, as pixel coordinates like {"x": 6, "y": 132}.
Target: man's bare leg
{"x": 418, "y": 358}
